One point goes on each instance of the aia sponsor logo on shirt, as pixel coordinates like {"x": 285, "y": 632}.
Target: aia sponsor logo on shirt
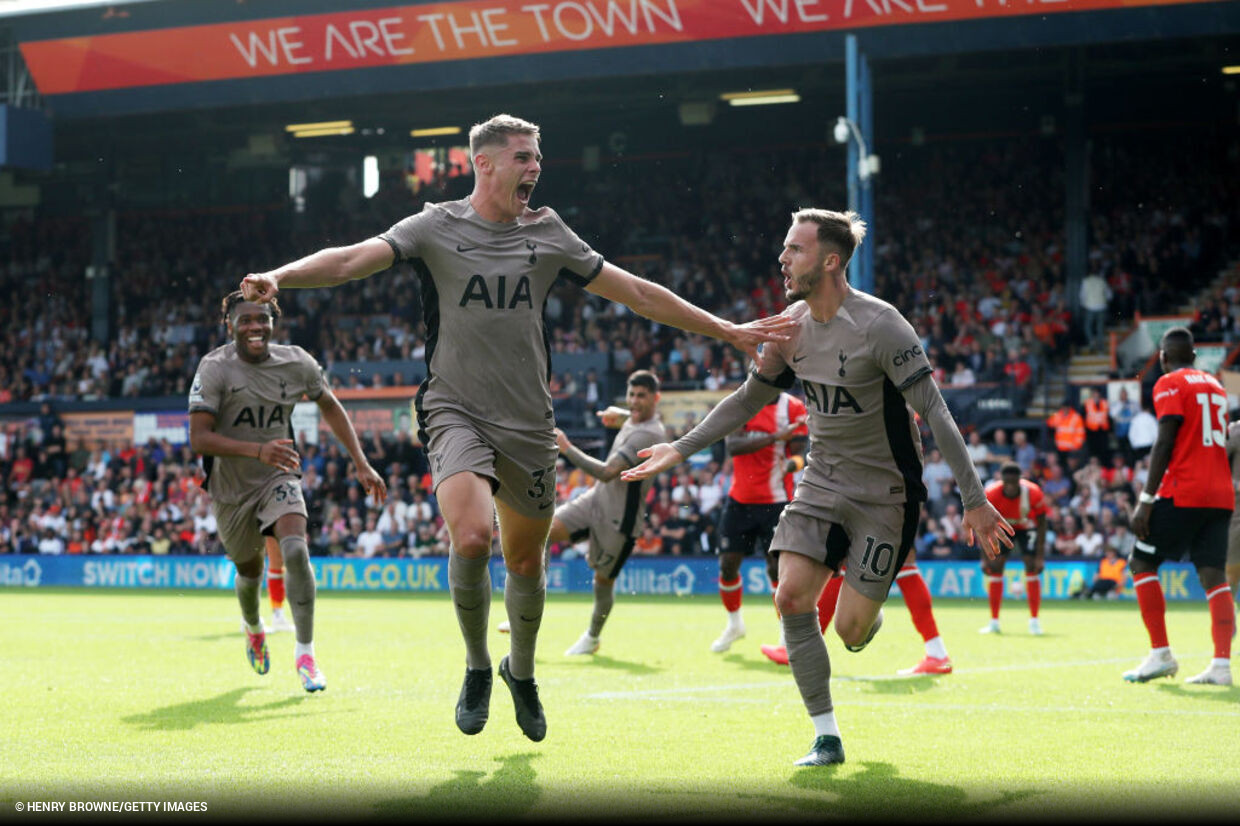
{"x": 830, "y": 399}
{"x": 492, "y": 293}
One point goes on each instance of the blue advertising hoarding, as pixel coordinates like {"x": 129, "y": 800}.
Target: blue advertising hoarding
{"x": 656, "y": 576}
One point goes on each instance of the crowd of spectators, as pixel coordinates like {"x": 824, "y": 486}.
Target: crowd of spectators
{"x": 971, "y": 249}
{"x": 108, "y": 497}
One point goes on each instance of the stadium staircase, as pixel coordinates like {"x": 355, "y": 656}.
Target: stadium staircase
{"x": 1093, "y": 366}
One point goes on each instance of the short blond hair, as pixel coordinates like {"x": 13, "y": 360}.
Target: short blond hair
{"x": 844, "y": 231}
{"x": 495, "y": 132}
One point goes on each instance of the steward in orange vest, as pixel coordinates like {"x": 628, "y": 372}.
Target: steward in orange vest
{"x": 1069, "y": 429}
{"x": 1097, "y": 414}
{"x": 1098, "y": 426}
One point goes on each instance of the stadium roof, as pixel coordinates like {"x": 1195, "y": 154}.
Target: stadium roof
{"x": 14, "y": 8}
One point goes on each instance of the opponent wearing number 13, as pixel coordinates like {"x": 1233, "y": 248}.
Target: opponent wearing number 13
{"x": 486, "y": 264}
{"x": 1190, "y": 510}
{"x": 861, "y": 367}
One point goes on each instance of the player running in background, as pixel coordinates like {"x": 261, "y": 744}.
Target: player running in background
{"x": 275, "y": 586}
{"x": 1023, "y": 505}
{"x": 610, "y": 514}
{"x": 862, "y": 367}
{"x": 486, "y": 264}
{"x": 575, "y": 522}
{"x": 275, "y": 589}
{"x": 240, "y": 409}
{"x": 1186, "y": 506}
{"x": 762, "y": 482}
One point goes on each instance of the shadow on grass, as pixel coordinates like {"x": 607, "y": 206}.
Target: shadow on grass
{"x": 878, "y": 792}
{"x": 471, "y": 793}
{"x": 619, "y": 665}
{"x": 1217, "y": 693}
{"x": 895, "y": 685}
{"x": 228, "y": 635}
{"x": 761, "y": 664}
{"x": 225, "y": 708}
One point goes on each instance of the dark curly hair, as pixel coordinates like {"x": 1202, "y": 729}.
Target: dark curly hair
{"x": 236, "y": 297}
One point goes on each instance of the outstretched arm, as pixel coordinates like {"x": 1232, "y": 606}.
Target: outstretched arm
{"x": 613, "y": 417}
{"x": 746, "y": 441}
{"x": 662, "y": 305}
{"x": 980, "y": 517}
{"x": 325, "y": 268}
{"x": 338, "y": 420}
{"x": 604, "y": 472}
{"x": 726, "y": 416}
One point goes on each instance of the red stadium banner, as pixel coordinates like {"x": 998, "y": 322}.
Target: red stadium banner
{"x": 472, "y": 29}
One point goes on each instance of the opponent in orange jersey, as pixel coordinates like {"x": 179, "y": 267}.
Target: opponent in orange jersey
{"x": 1022, "y": 504}
{"x": 761, "y": 486}
{"x": 1190, "y": 511}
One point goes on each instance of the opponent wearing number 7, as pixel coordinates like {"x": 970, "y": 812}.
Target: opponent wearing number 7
{"x": 861, "y": 367}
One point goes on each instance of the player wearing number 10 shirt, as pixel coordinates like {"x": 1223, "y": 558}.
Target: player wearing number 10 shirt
{"x": 863, "y": 371}
{"x": 486, "y": 264}
{"x": 1191, "y": 510}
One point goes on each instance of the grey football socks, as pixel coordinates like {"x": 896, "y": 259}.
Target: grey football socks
{"x": 524, "y": 597}
{"x": 807, "y": 654}
{"x": 247, "y": 595}
{"x": 299, "y": 585}
{"x": 604, "y": 599}
{"x": 469, "y": 581}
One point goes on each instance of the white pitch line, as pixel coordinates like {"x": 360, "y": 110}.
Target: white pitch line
{"x": 697, "y": 693}
{"x": 918, "y": 707}
{"x": 659, "y": 693}
{"x": 1170, "y": 712}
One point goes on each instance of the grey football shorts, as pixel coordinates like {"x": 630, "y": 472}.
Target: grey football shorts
{"x": 243, "y": 525}
{"x": 608, "y": 549}
{"x": 519, "y": 463}
{"x": 873, "y": 540}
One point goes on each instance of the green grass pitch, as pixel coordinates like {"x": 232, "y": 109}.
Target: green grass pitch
{"x": 147, "y": 696}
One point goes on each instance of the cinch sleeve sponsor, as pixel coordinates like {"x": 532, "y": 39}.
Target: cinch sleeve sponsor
{"x": 897, "y": 349}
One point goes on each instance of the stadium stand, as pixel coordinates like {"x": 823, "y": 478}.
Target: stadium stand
{"x": 980, "y": 277}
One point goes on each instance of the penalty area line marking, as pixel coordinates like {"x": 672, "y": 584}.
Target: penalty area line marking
{"x": 702, "y": 693}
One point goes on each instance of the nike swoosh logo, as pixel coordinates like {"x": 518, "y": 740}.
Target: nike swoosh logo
{"x": 544, "y": 506}
{"x": 798, "y": 359}
{"x": 865, "y": 578}
{"x": 467, "y": 607}
{"x": 459, "y": 248}
{"x": 530, "y": 619}
{"x": 235, "y": 389}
